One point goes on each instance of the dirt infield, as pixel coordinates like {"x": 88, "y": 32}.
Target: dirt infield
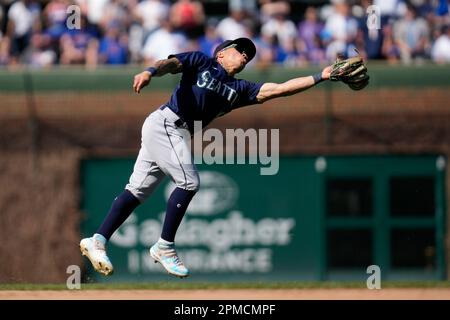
{"x": 234, "y": 294}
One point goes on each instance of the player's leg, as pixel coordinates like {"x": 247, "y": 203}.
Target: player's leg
{"x": 144, "y": 180}
{"x": 176, "y": 161}
{"x": 163, "y": 250}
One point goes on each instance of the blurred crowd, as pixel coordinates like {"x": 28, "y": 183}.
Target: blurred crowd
{"x": 116, "y": 32}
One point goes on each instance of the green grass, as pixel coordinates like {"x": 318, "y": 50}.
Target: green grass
{"x": 226, "y": 285}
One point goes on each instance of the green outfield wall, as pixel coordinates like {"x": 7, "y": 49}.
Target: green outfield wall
{"x": 319, "y": 218}
{"x": 114, "y": 79}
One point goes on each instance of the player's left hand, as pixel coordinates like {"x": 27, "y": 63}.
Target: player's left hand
{"x": 351, "y": 71}
{"x": 327, "y": 72}
{"x": 141, "y": 80}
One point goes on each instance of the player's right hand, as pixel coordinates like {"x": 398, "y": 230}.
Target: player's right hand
{"x": 141, "y": 80}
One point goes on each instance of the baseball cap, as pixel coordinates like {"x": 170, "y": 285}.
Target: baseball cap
{"x": 241, "y": 44}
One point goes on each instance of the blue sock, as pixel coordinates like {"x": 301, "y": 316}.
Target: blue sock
{"x": 176, "y": 208}
{"x": 121, "y": 209}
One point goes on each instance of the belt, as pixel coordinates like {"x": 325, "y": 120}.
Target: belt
{"x": 172, "y": 116}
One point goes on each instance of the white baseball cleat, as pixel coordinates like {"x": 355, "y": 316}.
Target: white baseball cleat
{"x": 94, "y": 249}
{"x": 168, "y": 257}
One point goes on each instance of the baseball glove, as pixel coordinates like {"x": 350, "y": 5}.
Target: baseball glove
{"x": 351, "y": 71}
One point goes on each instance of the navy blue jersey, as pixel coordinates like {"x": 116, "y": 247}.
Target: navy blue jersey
{"x": 206, "y": 91}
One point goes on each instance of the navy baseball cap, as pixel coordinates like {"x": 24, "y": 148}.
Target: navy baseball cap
{"x": 241, "y": 44}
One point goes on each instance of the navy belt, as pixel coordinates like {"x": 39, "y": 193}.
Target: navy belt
{"x": 179, "y": 122}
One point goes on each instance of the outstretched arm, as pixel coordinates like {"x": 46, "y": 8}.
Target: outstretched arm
{"x": 162, "y": 67}
{"x": 274, "y": 90}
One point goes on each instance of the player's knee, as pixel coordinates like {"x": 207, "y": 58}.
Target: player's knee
{"x": 138, "y": 193}
{"x": 192, "y": 184}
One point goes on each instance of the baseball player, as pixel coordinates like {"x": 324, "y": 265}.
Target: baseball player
{"x": 207, "y": 89}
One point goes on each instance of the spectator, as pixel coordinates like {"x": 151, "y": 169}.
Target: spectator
{"x": 269, "y": 7}
{"x": 163, "y": 42}
{"x": 149, "y": 14}
{"x": 426, "y": 10}
{"x": 5, "y": 5}
{"x": 267, "y": 51}
{"x": 1, "y": 23}
{"x": 211, "y": 39}
{"x": 79, "y": 46}
{"x": 188, "y": 16}
{"x": 389, "y": 49}
{"x": 440, "y": 52}
{"x": 282, "y": 28}
{"x": 340, "y": 29}
{"x": 308, "y": 42}
{"x": 270, "y": 51}
{"x": 94, "y": 11}
{"x": 116, "y": 13}
{"x": 441, "y": 13}
{"x": 113, "y": 47}
{"x": 135, "y": 33}
{"x": 55, "y": 15}
{"x": 249, "y": 6}
{"x": 3, "y": 42}
{"x": 390, "y": 9}
{"x": 370, "y": 41}
{"x": 23, "y": 17}
{"x": 290, "y": 56}
{"x": 411, "y": 34}
{"x": 316, "y": 55}
{"x": 405, "y": 30}
{"x": 233, "y": 26}
{"x": 42, "y": 54}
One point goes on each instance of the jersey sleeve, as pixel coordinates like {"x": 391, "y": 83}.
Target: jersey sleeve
{"x": 248, "y": 91}
{"x": 192, "y": 60}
